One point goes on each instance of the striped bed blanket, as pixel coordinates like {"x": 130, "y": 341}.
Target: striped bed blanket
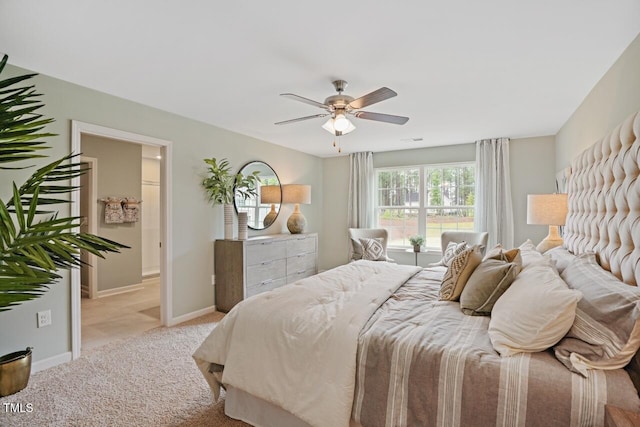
{"x": 422, "y": 362}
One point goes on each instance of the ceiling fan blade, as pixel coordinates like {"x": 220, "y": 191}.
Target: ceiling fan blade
{"x": 373, "y": 97}
{"x": 299, "y": 119}
{"x": 387, "y": 118}
{"x": 305, "y": 100}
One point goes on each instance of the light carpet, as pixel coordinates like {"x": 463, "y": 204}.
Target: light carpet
{"x": 149, "y": 380}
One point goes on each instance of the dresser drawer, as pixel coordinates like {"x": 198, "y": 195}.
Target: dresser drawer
{"x": 248, "y": 267}
{"x": 275, "y": 269}
{"x": 299, "y": 245}
{"x": 301, "y": 262}
{"x": 265, "y": 285}
{"x": 259, "y": 252}
{"x": 300, "y": 275}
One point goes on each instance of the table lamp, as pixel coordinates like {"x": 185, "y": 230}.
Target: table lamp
{"x": 551, "y": 210}
{"x": 270, "y": 194}
{"x": 296, "y": 193}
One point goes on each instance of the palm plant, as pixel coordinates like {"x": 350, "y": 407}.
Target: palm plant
{"x": 221, "y": 185}
{"x": 35, "y": 242}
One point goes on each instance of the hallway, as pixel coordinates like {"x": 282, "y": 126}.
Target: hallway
{"x": 120, "y": 316}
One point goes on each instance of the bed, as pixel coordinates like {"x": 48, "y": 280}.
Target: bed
{"x": 372, "y": 344}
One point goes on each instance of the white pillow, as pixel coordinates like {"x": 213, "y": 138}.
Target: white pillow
{"x": 561, "y": 257}
{"x": 529, "y": 253}
{"x": 534, "y": 313}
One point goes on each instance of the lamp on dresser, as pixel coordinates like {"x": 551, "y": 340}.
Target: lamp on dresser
{"x": 551, "y": 210}
{"x": 270, "y": 194}
{"x": 298, "y": 194}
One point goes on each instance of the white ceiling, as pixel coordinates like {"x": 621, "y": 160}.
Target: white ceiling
{"x": 463, "y": 69}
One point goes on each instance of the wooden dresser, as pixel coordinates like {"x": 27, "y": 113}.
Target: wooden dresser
{"x": 247, "y": 267}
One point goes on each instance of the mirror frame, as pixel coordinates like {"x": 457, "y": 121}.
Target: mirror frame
{"x": 279, "y": 205}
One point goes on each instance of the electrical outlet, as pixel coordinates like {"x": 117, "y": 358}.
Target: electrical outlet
{"x": 44, "y": 318}
{"x": 213, "y": 279}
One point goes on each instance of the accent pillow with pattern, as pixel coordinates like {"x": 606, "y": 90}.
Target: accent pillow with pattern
{"x": 453, "y": 249}
{"x": 373, "y": 249}
{"x": 459, "y": 271}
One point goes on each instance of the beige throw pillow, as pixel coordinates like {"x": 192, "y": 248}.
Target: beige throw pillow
{"x": 487, "y": 283}
{"x": 512, "y": 255}
{"x": 534, "y": 313}
{"x": 459, "y": 271}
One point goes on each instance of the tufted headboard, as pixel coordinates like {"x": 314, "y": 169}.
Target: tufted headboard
{"x": 604, "y": 201}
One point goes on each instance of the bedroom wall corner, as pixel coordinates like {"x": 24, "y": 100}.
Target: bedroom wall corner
{"x": 614, "y": 98}
{"x": 532, "y": 163}
{"x": 333, "y": 241}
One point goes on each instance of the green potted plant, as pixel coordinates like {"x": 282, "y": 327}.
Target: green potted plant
{"x": 221, "y": 187}
{"x": 35, "y": 241}
{"x": 417, "y": 241}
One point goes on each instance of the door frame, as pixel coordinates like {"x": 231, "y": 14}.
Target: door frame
{"x": 92, "y": 218}
{"x": 78, "y": 129}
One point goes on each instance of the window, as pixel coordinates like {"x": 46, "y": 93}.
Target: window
{"x": 425, "y": 200}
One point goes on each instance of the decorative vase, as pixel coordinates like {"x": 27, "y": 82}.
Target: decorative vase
{"x": 228, "y": 221}
{"x": 15, "y": 369}
{"x": 416, "y": 248}
{"x": 243, "y": 231}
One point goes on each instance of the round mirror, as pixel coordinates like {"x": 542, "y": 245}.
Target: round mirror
{"x": 263, "y": 209}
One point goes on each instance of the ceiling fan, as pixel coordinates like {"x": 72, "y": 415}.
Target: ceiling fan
{"x": 340, "y": 106}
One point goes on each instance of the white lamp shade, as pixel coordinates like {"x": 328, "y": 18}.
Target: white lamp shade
{"x": 296, "y": 193}
{"x": 270, "y": 194}
{"x": 341, "y": 123}
{"x": 329, "y": 127}
{"x": 546, "y": 209}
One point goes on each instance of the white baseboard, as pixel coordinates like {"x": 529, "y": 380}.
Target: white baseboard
{"x": 120, "y": 290}
{"x": 150, "y": 273}
{"x": 50, "y": 362}
{"x": 191, "y": 316}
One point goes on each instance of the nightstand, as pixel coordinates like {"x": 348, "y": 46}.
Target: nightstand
{"x": 618, "y": 417}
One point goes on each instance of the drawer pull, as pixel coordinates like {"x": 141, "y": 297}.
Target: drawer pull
{"x": 300, "y": 272}
{"x": 266, "y": 243}
{"x": 266, "y": 282}
{"x": 301, "y": 238}
{"x": 267, "y": 263}
{"x": 301, "y": 255}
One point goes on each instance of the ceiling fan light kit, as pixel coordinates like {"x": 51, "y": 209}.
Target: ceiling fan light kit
{"x": 340, "y": 106}
{"x": 330, "y": 127}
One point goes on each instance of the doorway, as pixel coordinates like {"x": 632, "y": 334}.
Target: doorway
{"x": 162, "y": 275}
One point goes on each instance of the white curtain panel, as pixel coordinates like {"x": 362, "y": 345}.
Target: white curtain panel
{"x": 494, "y": 210}
{"x": 361, "y": 192}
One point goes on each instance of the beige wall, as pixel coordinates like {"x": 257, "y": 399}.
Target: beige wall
{"x": 120, "y": 175}
{"x": 613, "y": 99}
{"x": 532, "y": 171}
{"x": 333, "y": 243}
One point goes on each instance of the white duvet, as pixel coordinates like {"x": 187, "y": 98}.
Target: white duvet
{"x": 296, "y": 345}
